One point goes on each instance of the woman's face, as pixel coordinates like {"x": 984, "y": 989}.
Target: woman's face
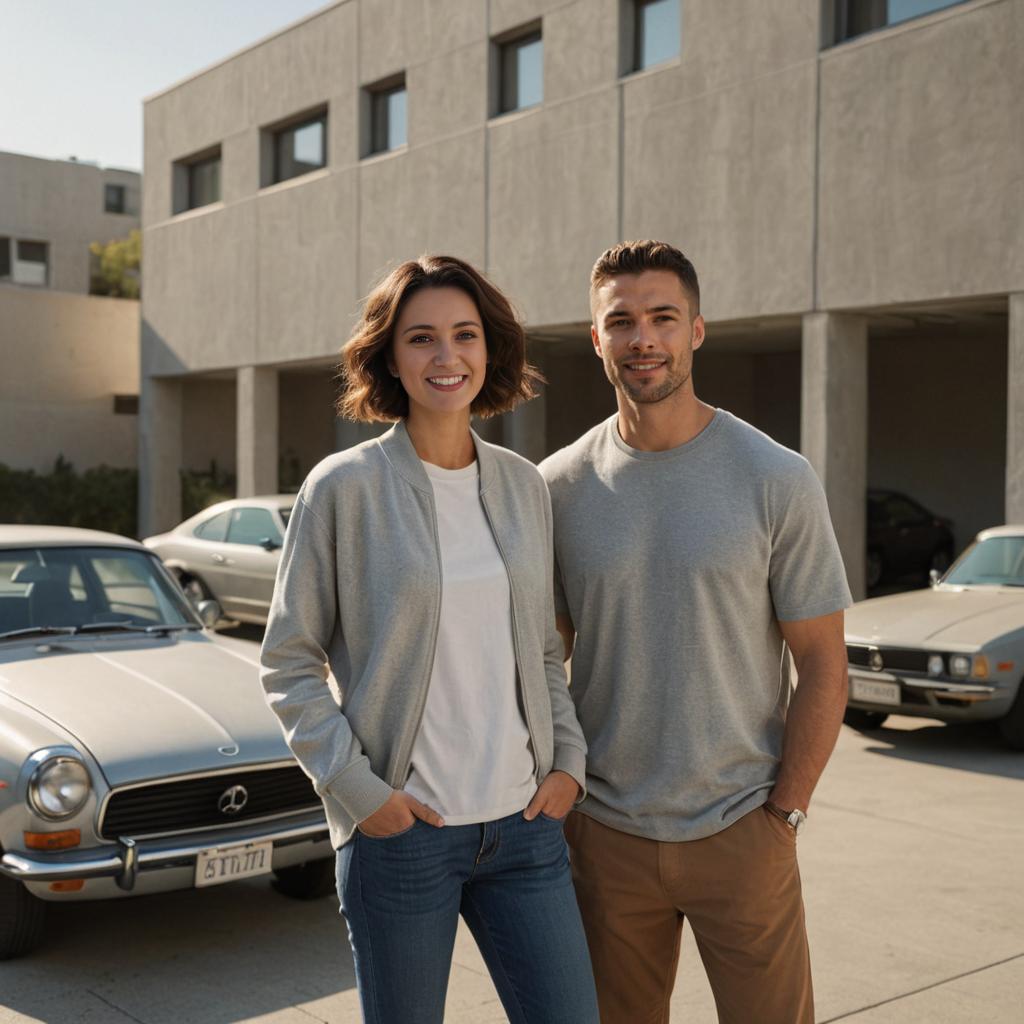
{"x": 439, "y": 351}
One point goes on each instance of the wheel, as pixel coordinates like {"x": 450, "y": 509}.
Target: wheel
{"x": 307, "y": 881}
{"x": 22, "y": 919}
{"x": 1011, "y": 726}
{"x": 874, "y": 569}
{"x": 195, "y": 589}
{"x": 864, "y": 721}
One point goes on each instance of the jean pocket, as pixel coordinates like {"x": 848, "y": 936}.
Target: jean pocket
{"x": 554, "y": 821}
{"x": 784, "y": 831}
{"x": 390, "y": 835}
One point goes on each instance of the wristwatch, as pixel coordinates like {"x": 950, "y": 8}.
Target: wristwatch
{"x": 794, "y": 819}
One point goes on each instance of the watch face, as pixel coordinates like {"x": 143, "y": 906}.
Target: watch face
{"x": 796, "y": 820}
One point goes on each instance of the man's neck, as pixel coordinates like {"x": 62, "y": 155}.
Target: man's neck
{"x": 659, "y": 426}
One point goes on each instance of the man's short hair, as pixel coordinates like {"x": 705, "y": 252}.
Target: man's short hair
{"x": 370, "y": 392}
{"x": 646, "y": 254}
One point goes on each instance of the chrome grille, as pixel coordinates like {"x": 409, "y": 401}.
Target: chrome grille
{"x": 179, "y": 806}
{"x": 895, "y": 659}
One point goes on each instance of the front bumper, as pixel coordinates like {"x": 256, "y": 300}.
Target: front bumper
{"x": 125, "y": 860}
{"x": 933, "y": 698}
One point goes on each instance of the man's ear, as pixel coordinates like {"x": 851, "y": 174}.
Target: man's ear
{"x": 596, "y": 342}
{"x": 698, "y": 332}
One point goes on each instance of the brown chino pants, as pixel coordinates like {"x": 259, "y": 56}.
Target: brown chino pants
{"x": 740, "y": 891}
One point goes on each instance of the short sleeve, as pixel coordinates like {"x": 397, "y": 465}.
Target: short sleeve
{"x": 807, "y": 577}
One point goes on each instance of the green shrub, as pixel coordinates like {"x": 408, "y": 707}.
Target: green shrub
{"x": 101, "y": 498}
{"x": 202, "y": 488}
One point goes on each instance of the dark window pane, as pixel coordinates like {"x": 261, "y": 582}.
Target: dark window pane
{"x": 300, "y": 149}
{"x": 657, "y": 31}
{"x": 215, "y": 529}
{"x": 113, "y": 198}
{"x": 5, "y": 257}
{"x": 251, "y": 525}
{"x": 126, "y": 405}
{"x": 204, "y": 182}
{"x": 522, "y": 73}
{"x": 32, "y": 252}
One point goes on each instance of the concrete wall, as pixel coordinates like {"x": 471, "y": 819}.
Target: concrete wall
{"x": 61, "y": 202}
{"x": 64, "y": 358}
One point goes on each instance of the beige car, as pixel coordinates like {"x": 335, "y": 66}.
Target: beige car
{"x": 137, "y": 751}
{"x": 229, "y": 552}
{"x": 953, "y": 652}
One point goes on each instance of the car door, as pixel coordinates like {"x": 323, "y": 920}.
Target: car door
{"x": 205, "y": 554}
{"x": 254, "y": 543}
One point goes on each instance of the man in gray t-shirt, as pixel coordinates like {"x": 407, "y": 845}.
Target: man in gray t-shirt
{"x": 691, "y": 551}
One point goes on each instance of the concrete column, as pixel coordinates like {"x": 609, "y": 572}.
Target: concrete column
{"x": 160, "y": 454}
{"x": 834, "y": 426}
{"x": 256, "y": 431}
{"x": 1015, "y": 412}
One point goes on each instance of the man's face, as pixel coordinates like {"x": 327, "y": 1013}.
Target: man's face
{"x": 644, "y": 334}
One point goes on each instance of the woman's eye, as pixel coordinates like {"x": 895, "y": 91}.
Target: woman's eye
{"x": 420, "y": 339}
{"x": 466, "y": 336}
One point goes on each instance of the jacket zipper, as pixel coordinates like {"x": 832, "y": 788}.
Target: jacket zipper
{"x": 515, "y": 638}
{"x": 402, "y": 765}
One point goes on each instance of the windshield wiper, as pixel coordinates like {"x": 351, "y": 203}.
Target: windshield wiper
{"x": 165, "y": 628}
{"x": 128, "y": 627}
{"x": 39, "y": 631}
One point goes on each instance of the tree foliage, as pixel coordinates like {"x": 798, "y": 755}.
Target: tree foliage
{"x": 117, "y": 267}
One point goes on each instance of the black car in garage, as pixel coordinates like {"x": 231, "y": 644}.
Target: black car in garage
{"x": 904, "y": 538}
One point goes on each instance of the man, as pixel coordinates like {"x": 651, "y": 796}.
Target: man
{"x": 691, "y": 550}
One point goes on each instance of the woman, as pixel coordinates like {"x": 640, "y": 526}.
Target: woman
{"x": 418, "y": 568}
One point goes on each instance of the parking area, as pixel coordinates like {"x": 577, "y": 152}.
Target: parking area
{"x": 912, "y": 872}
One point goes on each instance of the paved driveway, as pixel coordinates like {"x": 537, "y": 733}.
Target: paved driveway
{"x": 914, "y": 879}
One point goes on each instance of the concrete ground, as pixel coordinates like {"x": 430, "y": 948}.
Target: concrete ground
{"x": 914, "y": 881}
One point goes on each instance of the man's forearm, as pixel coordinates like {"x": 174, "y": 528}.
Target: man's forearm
{"x": 812, "y": 727}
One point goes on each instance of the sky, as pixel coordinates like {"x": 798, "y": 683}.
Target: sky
{"x": 73, "y": 74}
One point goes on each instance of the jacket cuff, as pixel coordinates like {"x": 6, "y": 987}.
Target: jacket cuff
{"x": 359, "y": 791}
{"x": 573, "y": 761}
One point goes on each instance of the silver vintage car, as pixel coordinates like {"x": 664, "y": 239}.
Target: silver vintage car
{"x": 954, "y": 652}
{"x": 137, "y": 754}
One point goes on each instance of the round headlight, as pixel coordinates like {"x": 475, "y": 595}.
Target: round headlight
{"x": 59, "y": 787}
{"x": 935, "y": 665}
{"x": 960, "y": 665}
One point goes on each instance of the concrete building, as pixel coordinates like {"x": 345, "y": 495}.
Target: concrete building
{"x": 69, "y": 384}
{"x": 845, "y": 175}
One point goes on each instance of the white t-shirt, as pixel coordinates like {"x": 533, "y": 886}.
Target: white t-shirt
{"x": 471, "y": 760}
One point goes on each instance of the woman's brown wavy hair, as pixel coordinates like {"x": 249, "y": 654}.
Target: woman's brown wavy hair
{"x": 369, "y": 391}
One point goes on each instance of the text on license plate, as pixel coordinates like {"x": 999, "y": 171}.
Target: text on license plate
{"x": 874, "y": 691}
{"x": 229, "y": 863}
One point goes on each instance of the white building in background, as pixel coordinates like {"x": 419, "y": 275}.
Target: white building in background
{"x": 845, "y": 174}
{"x": 69, "y": 362}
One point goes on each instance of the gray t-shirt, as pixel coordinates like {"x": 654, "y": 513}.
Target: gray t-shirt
{"x": 675, "y": 568}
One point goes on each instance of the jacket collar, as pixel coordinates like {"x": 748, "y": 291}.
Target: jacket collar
{"x": 399, "y": 451}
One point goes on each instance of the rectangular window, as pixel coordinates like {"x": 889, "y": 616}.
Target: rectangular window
{"x": 856, "y": 17}
{"x": 30, "y": 263}
{"x": 126, "y": 405}
{"x": 113, "y": 198}
{"x": 5, "y": 258}
{"x": 388, "y": 116}
{"x": 300, "y": 148}
{"x": 196, "y": 180}
{"x": 521, "y": 71}
{"x": 656, "y": 32}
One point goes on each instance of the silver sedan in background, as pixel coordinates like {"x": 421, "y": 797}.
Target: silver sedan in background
{"x": 229, "y": 552}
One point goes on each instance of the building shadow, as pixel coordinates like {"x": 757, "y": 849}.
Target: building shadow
{"x": 968, "y": 746}
{"x": 206, "y": 956}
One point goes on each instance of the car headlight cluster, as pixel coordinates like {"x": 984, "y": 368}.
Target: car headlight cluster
{"x": 964, "y": 665}
{"x": 59, "y": 788}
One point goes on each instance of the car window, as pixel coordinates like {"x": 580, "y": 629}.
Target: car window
{"x": 285, "y": 514}
{"x": 902, "y": 510}
{"x": 215, "y": 528}
{"x": 997, "y": 561}
{"x": 251, "y": 525}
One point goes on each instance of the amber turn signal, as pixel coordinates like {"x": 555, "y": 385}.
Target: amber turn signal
{"x": 68, "y": 885}
{"x": 53, "y": 840}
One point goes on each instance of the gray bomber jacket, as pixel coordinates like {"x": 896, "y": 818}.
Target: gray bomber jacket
{"x": 359, "y": 590}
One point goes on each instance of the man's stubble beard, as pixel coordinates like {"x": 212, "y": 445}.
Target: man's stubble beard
{"x": 674, "y": 380}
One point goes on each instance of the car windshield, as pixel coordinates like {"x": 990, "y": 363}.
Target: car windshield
{"x": 87, "y": 588}
{"x": 995, "y": 561}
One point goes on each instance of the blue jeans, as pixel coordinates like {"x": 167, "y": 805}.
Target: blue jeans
{"x": 402, "y": 896}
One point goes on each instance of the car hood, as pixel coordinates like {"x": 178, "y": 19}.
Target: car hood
{"x": 943, "y": 616}
{"x": 150, "y": 707}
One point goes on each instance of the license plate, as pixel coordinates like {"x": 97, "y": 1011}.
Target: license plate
{"x": 229, "y": 863}
{"x": 874, "y": 691}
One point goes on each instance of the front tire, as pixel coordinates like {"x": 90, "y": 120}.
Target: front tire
{"x": 22, "y": 919}
{"x": 308, "y": 881}
{"x": 1011, "y": 726}
{"x": 874, "y": 570}
{"x": 195, "y": 589}
{"x": 864, "y": 721}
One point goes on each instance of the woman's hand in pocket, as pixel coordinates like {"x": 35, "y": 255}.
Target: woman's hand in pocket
{"x": 554, "y": 797}
{"x": 399, "y": 813}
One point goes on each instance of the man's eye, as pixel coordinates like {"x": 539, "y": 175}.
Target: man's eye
{"x": 620, "y": 323}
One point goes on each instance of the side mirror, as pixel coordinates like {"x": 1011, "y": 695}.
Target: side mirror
{"x": 268, "y": 544}
{"x": 210, "y": 612}
{"x": 933, "y": 577}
